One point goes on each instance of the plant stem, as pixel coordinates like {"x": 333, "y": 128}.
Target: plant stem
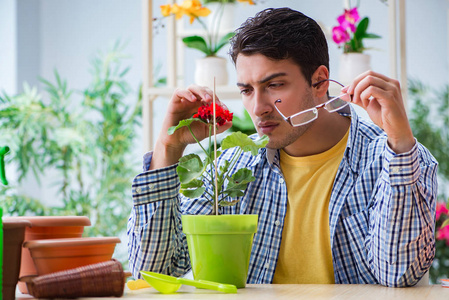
{"x": 233, "y": 162}
{"x": 198, "y": 142}
{"x": 208, "y": 36}
{"x": 212, "y": 167}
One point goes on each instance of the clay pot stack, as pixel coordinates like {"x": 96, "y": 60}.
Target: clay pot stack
{"x": 48, "y": 245}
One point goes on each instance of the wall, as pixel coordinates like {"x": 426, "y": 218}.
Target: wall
{"x": 8, "y": 46}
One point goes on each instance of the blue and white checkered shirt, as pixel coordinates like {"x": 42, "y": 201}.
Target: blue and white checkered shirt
{"x": 381, "y": 213}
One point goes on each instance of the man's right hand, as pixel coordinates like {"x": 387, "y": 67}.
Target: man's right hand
{"x": 183, "y": 104}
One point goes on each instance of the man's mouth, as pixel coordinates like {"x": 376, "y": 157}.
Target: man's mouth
{"x": 267, "y": 127}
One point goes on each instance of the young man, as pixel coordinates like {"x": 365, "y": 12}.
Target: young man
{"x": 339, "y": 199}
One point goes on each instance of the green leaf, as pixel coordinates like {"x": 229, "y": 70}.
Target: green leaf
{"x": 241, "y": 140}
{"x": 371, "y": 36}
{"x": 190, "y": 167}
{"x": 197, "y": 42}
{"x": 193, "y": 193}
{"x": 234, "y": 192}
{"x": 242, "y": 176}
{"x": 224, "y": 168}
{"x": 238, "y": 183}
{"x": 361, "y": 28}
{"x": 195, "y": 183}
{"x": 192, "y": 189}
{"x": 182, "y": 123}
{"x": 224, "y": 203}
{"x": 223, "y": 41}
{"x": 445, "y": 223}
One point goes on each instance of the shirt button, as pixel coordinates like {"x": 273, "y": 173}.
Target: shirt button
{"x": 281, "y": 180}
{"x": 138, "y": 190}
{"x": 267, "y": 265}
{"x": 277, "y": 223}
{"x": 396, "y": 170}
{"x": 151, "y": 186}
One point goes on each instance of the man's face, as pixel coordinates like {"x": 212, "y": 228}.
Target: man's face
{"x": 261, "y": 82}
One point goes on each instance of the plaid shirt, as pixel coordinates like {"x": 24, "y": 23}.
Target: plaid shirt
{"x": 381, "y": 213}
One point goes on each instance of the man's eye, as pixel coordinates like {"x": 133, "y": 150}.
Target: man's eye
{"x": 275, "y": 85}
{"x": 244, "y": 92}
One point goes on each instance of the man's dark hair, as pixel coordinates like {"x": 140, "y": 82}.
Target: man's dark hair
{"x": 283, "y": 33}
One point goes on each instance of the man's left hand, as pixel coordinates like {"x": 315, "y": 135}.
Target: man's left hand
{"x": 381, "y": 97}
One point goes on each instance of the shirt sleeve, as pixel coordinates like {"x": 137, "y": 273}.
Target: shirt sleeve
{"x": 403, "y": 217}
{"x": 156, "y": 242}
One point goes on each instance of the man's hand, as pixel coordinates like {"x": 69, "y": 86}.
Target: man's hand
{"x": 381, "y": 97}
{"x": 183, "y": 104}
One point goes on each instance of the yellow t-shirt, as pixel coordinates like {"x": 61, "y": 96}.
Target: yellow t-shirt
{"x": 305, "y": 255}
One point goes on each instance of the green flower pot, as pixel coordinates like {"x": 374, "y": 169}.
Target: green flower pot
{"x": 220, "y": 246}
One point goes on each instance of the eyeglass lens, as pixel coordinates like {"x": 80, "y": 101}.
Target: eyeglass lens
{"x": 337, "y": 103}
{"x": 332, "y": 105}
{"x": 304, "y": 117}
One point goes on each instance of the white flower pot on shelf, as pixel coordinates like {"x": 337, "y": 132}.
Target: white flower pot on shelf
{"x": 352, "y": 65}
{"x": 209, "y": 67}
{"x": 221, "y": 16}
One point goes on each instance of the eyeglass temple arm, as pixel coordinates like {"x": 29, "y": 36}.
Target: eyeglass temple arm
{"x": 282, "y": 115}
{"x": 321, "y": 81}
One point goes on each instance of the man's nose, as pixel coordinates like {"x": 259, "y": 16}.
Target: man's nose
{"x": 262, "y": 105}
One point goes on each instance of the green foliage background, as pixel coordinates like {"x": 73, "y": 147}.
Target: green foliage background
{"x": 429, "y": 119}
{"x": 86, "y": 137}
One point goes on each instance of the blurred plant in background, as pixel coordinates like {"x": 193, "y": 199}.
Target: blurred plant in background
{"x": 429, "y": 119}
{"x": 84, "y": 139}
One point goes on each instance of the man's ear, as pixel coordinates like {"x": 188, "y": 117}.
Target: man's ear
{"x": 320, "y": 73}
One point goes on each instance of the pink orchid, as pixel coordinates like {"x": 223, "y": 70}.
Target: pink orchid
{"x": 340, "y": 35}
{"x": 348, "y": 19}
{"x": 443, "y": 234}
{"x": 441, "y": 210}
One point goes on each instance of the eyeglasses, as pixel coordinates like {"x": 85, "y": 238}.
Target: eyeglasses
{"x": 309, "y": 115}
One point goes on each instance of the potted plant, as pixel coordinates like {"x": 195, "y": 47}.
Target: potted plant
{"x": 219, "y": 245}
{"x": 214, "y": 39}
{"x": 349, "y": 34}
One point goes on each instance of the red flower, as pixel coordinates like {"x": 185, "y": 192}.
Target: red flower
{"x": 441, "y": 210}
{"x": 206, "y": 113}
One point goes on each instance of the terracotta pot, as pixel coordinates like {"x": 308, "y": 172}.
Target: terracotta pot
{"x": 54, "y": 255}
{"x": 13, "y": 236}
{"x": 47, "y": 228}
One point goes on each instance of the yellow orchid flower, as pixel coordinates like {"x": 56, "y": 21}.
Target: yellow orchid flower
{"x": 165, "y": 10}
{"x": 194, "y": 9}
{"x": 250, "y": 2}
{"x": 211, "y": 43}
{"x": 178, "y": 11}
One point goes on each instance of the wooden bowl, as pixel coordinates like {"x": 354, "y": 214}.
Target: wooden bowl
{"x": 46, "y": 227}
{"x": 53, "y": 255}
